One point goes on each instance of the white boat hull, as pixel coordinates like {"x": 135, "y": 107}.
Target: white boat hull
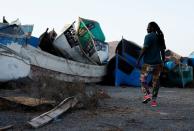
{"x": 13, "y": 67}
{"x": 67, "y": 43}
{"x": 73, "y": 53}
{"x": 61, "y": 68}
{"x": 102, "y": 51}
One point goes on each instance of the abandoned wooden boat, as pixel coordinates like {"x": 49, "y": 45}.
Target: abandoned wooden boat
{"x": 68, "y": 44}
{"x": 20, "y": 34}
{"x": 45, "y": 64}
{"x": 122, "y": 67}
{"x": 91, "y": 40}
{"x": 15, "y": 27}
{"x": 13, "y": 66}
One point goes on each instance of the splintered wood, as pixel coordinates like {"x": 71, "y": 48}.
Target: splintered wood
{"x": 43, "y": 119}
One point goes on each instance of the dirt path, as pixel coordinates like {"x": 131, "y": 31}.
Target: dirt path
{"x": 122, "y": 112}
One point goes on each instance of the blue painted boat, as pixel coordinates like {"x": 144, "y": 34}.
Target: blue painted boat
{"x": 33, "y": 41}
{"x": 12, "y": 29}
{"x": 7, "y": 39}
{"x": 125, "y": 72}
{"x": 14, "y": 34}
{"x": 129, "y": 50}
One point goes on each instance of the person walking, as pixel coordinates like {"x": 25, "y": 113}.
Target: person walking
{"x": 153, "y": 54}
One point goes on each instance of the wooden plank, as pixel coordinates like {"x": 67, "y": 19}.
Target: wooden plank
{"x": 6, "y": 128}
{"x": 25, "y": 103}
{"x": 55, "y": 112}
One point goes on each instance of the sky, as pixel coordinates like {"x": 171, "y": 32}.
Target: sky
{"x": 117, "y": 18}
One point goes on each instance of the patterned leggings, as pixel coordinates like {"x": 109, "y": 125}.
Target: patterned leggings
{"x": 155, "y": 71}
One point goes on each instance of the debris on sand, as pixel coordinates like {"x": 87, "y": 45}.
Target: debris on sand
{"x": 6, "y": 127}
{"x": 24, "y": 102}
{"x": 55, "y": 112}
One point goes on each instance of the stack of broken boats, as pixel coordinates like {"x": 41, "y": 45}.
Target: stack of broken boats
{"x": 73, "y": 55}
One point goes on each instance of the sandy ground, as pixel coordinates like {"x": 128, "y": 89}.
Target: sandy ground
{"x": 122, "y": 112}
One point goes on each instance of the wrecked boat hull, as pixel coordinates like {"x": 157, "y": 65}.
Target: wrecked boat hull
{"x": 42, "y": 64}
{"x": 67, "y": 43}
{"x": 45, "y": 64}
{"x": 39, "y": 72}
{"x": 20, "y": 34}
{"x": 92, "y": 41}
{"x": 13, "y": 67}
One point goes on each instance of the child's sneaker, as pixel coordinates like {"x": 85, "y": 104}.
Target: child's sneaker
{"x": 153, "y": 103}
{"x": 147, "y": 98}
